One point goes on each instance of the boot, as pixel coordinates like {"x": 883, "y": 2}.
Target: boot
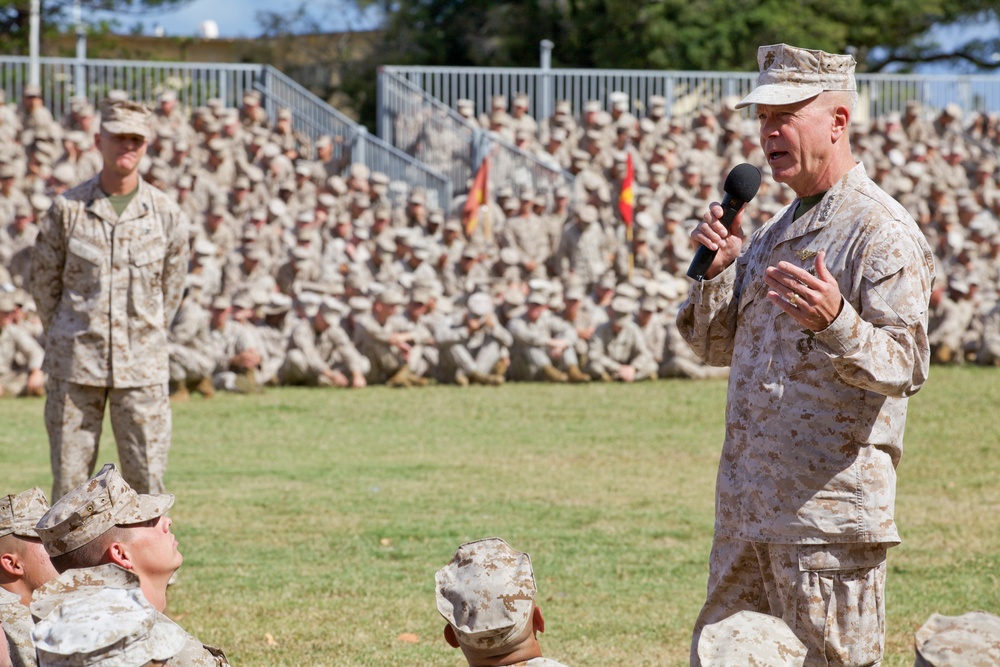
{"x": 416, "y": 380}
{"x": 247, "y": 383}
{"x": 500, "y": 367}
{"x": 491, "y": 380}
{"x": 553, "y": 374}
{"x": 400, "y": 379}
{"x": 461, "y": 380}
{"x": 205, "y": 387}
{"x": 576, "y": 376}
{"x": 179, "y": 392}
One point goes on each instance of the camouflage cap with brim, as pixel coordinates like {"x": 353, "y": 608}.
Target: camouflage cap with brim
{"x": 103, "y": 501}
{"x": 750, "y": 638}
{"x": 20, "y": 512}
{"x": 789, "y": 74}
{"x": 486, "y": 593}
{"x": 110, "y": 627}
{"x": 969, "y": 640}
{"x": 126, "y": 117}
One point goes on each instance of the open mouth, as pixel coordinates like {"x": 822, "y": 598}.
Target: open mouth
{"x": 775, "y": 155}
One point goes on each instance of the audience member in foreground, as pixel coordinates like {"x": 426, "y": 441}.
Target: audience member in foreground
{"x": 112, "y": 627}
{"x": 487, "y": 595}
{"x": 104, "y": 535}
{"x": 750, "y": 638}
{"x": 24, "y": 566}
{"x": 969, "y": 640}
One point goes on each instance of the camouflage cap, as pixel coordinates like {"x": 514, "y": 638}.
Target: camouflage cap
{"x": 789, "y": 74}
{"x": 8, "y": 304}
{"x": 486, "y": 593}
{"x": 103, "y": 501}
{"x": 125, "y": 117}
{"x": 479, "y": 304}
{"x": 111, "y": 627}
{"x": 969, "y": 640}
{"x": 750, "y": 638}
{"x": 21, "y": 511}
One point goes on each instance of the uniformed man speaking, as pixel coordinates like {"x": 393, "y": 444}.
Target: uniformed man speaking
{"x": 822, "y": 316}
{"x": 107, "y": 276}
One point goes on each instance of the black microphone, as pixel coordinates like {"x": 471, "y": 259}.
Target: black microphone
{"x": 741, "y": 186}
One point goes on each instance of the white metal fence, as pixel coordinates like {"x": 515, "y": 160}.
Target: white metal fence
{"x": 685, "y": 91}
{"x": 436, "y": 135}
{"x": 62, "y": 79}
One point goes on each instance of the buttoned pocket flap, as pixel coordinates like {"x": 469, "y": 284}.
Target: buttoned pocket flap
{"x": 147, "y": 254}
{"x": 840, "y": 557}
{"x": 84, "y": 250}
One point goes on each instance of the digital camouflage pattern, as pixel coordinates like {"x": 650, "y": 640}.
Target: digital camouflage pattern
{"x": 112, "y": 627}
{"x": 20, "y": 512}
{"x": 790, "y": 74}
{"x": 969, "y": 640}
{"x": 107, "y": 288}
{"x": 140, "y": 419}
{"x": 487, "y": 594}
{"x": 80, "y": 583}
{"x": 750, "y": 639}
{"x": 832, "y": 596}
{"x": 92, "y": 508}
{"x": 17, "y": 624}
{"x": 814, "y": 421}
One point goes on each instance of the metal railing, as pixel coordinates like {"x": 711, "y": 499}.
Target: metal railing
{"x": 439, "y": 137}
{"x": 196, "y": 83}
{"x": 685, "y": 92}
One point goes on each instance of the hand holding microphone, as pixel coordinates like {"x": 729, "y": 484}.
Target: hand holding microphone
{"x": 741, "y": 186}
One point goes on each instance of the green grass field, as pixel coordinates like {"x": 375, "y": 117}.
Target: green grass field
{"x": 312, "y": 521}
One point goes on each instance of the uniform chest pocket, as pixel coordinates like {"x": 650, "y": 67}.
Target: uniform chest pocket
{"x": 147, "y": 253}
{"x": 85, "y": 251}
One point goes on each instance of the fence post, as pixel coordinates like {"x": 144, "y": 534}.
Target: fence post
{"x": 546, "y": 103}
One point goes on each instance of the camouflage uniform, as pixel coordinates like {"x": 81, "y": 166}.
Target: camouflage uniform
{"x": 80, "y": 583}
{"x": 969, "y": 640}
{"x": 806, "y": 483}
{"x": 16, "y": 344}
{"x": 487, "y": 596}
{"x": 107, "y": 288}
{"x": 750, "y": 638}
{"x": 833, "y": 403}
{"x": 15, "y": 619}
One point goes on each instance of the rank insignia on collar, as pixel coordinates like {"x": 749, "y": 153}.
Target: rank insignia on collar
{"x": 806, "y": 254}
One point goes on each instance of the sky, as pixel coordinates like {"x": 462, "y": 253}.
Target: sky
{"x": 187, "y": 21}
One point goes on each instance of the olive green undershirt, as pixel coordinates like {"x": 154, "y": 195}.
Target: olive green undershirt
{"x": 805, "y": 204}
{"x": 120, "y": 202}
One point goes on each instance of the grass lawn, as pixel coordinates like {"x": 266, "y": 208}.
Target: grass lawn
{"x": 312, "y": 521}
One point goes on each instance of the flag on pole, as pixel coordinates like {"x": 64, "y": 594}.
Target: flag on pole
{"x": 477, "y": 203}
{"x": 626, "y": 207}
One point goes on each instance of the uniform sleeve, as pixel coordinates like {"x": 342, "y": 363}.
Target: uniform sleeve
{"x": 47, "y": 261}
{"x": 707, "y": 320}
{"x": 883, "y": 346}
{"x": 175, "y": 266}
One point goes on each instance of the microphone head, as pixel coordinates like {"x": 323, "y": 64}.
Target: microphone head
{"x": 743, "y": 182}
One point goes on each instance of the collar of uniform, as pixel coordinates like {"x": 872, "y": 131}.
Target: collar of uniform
{"x": 99, "y": 205}
{"x": 822, "y": 213}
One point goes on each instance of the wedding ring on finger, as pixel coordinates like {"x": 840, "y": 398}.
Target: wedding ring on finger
{"x": 793, "y": 298}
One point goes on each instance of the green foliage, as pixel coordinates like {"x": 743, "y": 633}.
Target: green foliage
{"x": 318, "y": 517}
{"x": 674, "y": 34}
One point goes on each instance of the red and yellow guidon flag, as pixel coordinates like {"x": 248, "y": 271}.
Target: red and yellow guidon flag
{"x": 626, "y": 200}
{"x": 478, "y": 198}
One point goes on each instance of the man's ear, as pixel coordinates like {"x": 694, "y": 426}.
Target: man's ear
{"x": 11, "y": 564}
{"x": 449, "y": 636}
{"x": 841, "y": 121}
{"x": 118, "y": 554}
{"x": 537, "y": 620}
